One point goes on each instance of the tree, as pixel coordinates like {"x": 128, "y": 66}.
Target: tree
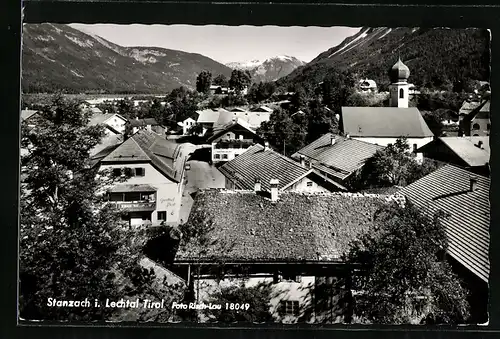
{"x": 394, "y": 165}
{"x": 261, "y": 91}
{"x": 73, "y": 245}
{"x": 257, "y": 298}
{"x": 400, "y": 274}
{"x": 157, "y": 111}
{"x": 240, "y": 80}
{"x": 126, "y": 108}
{"x": 203, "y": 82}
{"x": 299, "y": 99}
{"x": 321, "y": 120}
{"x": 221, "y": 80}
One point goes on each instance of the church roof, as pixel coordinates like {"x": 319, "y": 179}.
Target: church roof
{"x": 399, "y": 72}
{"x": 384, "y": 122}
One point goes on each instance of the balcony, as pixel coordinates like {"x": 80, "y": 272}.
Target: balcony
{"x": 136, "y": 206}
{"x": 234, "y": 144}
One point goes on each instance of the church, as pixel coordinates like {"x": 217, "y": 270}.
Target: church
{"x": 384, "y": 125}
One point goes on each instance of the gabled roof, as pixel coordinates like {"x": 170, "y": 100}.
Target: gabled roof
{"x": 246, "y": 227}
{"x": 100, "y": 118}
{"x": 27, "y": 113}
{"x": 368, "y": 83}
{"x": 209, "y": 115}
{"x": 263, "y": 109}
{"x": 382, "y": 122}
{"x": 466, "y": 148}
{"x": 226, "y": 128}
{"x": 467, "y": 227}
{"x": 468, "y": 106}
{"x": 340, "y": 159}
{"x": 257, "y": 162}
{"x": 238, "y": 109}
{"x": 480, "y": 112}
{"x": 145, "y": 146}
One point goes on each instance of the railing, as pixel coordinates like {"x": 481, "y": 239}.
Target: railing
{"x": 240, "y": 143}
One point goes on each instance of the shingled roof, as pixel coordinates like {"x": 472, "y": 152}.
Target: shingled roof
{"x": 391, "y": 122}
{"x": 143, "y": 122}
{"x": 299, "y": 227}
{"x": 467, "y": 227}
{"x": 340, "y": 159}
{"x": 145, "y": 146}
{"x": 264, "y": 164}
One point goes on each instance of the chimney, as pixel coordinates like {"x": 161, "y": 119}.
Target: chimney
{"x": 274, "y": 189}
{"x": 266, "y": 146}
{"x": 332, "y": 140}
{"x": 473, "y": 183}
{"x": 302, "y": 161}
{"x": 480, "y": 144}
{"x": 257, "y": 185}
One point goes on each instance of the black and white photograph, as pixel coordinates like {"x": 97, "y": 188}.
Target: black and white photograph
{"x": 214, "y": 174}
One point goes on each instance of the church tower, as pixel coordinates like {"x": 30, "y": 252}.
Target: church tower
{"x": 398, "y": 89}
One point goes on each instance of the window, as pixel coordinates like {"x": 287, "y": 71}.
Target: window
{"x": 162, "y": 215}
{"x": 475, "y": 126}
{"x": 117, "y": 171}
{"x": 217, "y": 156}
{"x": 290, "y": 307}
{"x": 139, "y": 172}
{"x": 224, "y": 156}
{"x": 309, "y": 184}
{"x": 401, "y": 93}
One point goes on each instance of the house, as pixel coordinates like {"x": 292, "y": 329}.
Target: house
{"x": 471, "y": 153}
{"x": 264, "y": 109}
{"x": 367, "y": 85}
{"x": 208, "y": 117}
{"x": 464, "y": 196}
{"x": 259, "y": 164}
{"x": 337, "y": 158}
{"x": 254, "y": 119}
{"x": 477, "y": 121}
{"x": 384, "y": 125}
{"x": 115, "y": 123}
{"x": 186, "y": 124}
{"x": 231, "y": 140}
{"x": 149, "y": 124}
{"x": 30, "y": 117}
{"x": 294, "y": 245}
{"x": 216, "y": 89}
{"x": 153, "y": 192}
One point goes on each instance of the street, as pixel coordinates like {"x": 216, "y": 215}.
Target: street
{"x": 201, "y": 175}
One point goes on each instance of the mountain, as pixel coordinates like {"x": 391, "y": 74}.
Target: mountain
{"x": 59, "y": 57}
{"x": 270, "y": 69}
{"x": 436, "y": 57}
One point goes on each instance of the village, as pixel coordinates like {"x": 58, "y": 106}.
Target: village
{"x": 249, "y": 205}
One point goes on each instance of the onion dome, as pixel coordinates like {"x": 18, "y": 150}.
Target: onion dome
{"x": 399, "y": 72}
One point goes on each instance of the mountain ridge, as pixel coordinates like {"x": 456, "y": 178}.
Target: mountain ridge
{"x": 270, "y": 69}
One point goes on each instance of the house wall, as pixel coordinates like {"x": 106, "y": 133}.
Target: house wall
{"x": 479, "y": 127}
{"x": 301, "y": 291}
{"x": 395, "y": 99}
{"x": 230, "y": 153}
{"x": 187, "y": 124}
{"x": 302, "y": 185}
{"x": 168, "y": 194}
{"x": 116, "y": 123}
{"x": 226, "y": 154}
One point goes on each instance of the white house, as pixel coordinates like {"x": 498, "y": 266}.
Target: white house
{"x": 367, "y": 85}
{"x": 114, "y": 121}
{"x": 153, "y": 192}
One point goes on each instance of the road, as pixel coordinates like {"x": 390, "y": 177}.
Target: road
{"x": 201, "y": 175}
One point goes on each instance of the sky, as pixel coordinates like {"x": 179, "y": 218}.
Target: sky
{"x": 226, "y": 43}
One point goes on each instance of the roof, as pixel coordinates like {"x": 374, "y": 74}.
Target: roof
{"x": 384, "y": 122}
{"x": 27, "y": 113}
{"x": 466, "y": 148}
{"x": 143, "y": 122}
{"x": 340, "y": 159}
{"x": 368, "y": 83}
{"x": 145, "y": 146}
{"x": 223, "y": 129}
{"x": 263, "y": 109}
{"x": 107, "y": 141}
{"x": 468, "y": 106}
{"x": 467, "y": 227}
{"x": 122, "y": 188}
{"x": 100, "y": 118}
{"x": 209, "y": 115}
{"x": 480, "y": 112}
{"x": 257, "y": 162}
{"x": 299, "y": 226}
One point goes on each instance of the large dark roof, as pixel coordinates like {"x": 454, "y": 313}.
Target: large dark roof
{"x": 245, "y": 226}
{"x": 391, "y": 122}
{"x": 468, "y": 226}
{"x": 145, "y": 146}
{"x": 143, "y": 122}
{"x": 257, "y": 162}
{"x": 339, "y": 159}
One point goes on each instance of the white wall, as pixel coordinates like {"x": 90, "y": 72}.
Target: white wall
{"x": 395, "y": 100}
{"x": 187, "y": 124}
{"x": 301, "y": 186}
{"x": 116, "y": 123}
{"x": 231, "y": 153}
{"x": 285, "y": 290}
{"x": 386, "y": 141}
{"x": 168, "y": 194}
